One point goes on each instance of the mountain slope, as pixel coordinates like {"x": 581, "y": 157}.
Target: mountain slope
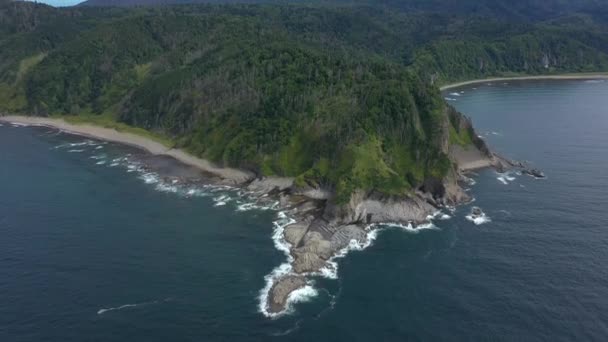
{"x": 340, "y": 98}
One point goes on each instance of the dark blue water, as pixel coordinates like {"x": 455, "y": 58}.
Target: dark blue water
{"x": 79, "y": 235}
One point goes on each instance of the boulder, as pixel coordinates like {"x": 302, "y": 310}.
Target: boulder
{"x": 295, "y": 232}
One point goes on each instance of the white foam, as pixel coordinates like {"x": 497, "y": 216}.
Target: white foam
{"x": 595, "y": 81}
{"x": 455, "y": 94}
{"x": 149, "y": 178}
{"x": 414, "y": 229}
{"x": 478, "y": 219}
{"x": 18, "y": 124}
{"x": 101, "y": 162}
{"x": 506, "y": 178}
{"x": 469, "y": 181}
{"x": 99, "y": 147}
{"x": 450, "y": 99}
{"x": 503, "y": 180}
{"x": 438, "y": 215}
{"x": 126, "y": 306}
{"x": 285, "y": 268}
{"x": 75, "y": 151}
{"x": 247, "y": 206}
{"x": 301, "y": 295}
{"x": 221, "y": 200}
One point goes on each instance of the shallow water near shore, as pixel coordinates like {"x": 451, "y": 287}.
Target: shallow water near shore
{"x": 94, "y": 246}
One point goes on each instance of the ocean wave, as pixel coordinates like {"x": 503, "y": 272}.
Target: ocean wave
{"x": 450, "y": 99}
{"x": 149, "y": 178}
{"x": 278, "y": 238}
{"x": 506, "y": 177}
{"x": 438, "y": 215}
{"x": 101, "y": 162}
{"x": 594, "y": 81}
{"x": 75, "y": 151}
{"x": 221, "y": 200}
{"x": 247, "y": 206}
{"x": 99, "y": 157}
{"x": 127, "y": 306}
{"x": 455, "y": 94}
{"x": 87, "y": 142}
{"x": 478, "y": 218}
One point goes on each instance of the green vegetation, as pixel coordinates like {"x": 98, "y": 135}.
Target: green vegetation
{"x": 343, "y": 97}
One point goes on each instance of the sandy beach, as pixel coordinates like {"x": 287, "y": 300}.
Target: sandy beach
{"x": 528, "y": 78}
{"x": 229, "y": 174}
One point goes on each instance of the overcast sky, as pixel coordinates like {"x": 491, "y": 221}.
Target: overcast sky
{"x": 60, "y": 2}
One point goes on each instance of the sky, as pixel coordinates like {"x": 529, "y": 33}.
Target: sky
{"x": 60, "y": 2}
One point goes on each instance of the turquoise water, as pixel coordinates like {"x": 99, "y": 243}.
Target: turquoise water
{"x": 93, "y": 247}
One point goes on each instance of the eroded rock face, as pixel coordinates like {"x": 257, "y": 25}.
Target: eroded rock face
{"x": 280, "y": 291}
{"x": 345, "y": 235}
{"x": 315, "y": 243}
{"x": 364, "y": 209}
{"x": 306, "y": 262}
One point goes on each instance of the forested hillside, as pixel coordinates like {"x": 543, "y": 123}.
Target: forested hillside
{"x": 344, "y": 97}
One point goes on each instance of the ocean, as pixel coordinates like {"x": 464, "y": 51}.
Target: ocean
{"x": 95, "y": 246}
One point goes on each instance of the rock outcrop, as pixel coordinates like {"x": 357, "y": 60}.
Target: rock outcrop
{"x": 280, "y": 291}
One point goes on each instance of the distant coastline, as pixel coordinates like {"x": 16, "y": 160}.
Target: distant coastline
{"x": 230, "y": 175}
{"x": 581, "y": 76}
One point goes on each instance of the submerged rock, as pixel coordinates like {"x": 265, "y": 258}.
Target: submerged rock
{"x": 280, "y": 291}
{"x": 534, "y": 173}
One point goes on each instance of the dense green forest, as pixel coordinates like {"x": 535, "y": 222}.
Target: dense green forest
{"x": 343, "y": 96}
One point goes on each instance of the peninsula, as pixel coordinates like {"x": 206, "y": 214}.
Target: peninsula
{"x": 335, "y": 110}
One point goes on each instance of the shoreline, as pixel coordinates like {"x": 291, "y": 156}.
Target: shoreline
{"x": 314, "y": 233}
{"x": 230, "y": 175}
{"x": 582, "y": 76}
{"x": 310, "y": 243}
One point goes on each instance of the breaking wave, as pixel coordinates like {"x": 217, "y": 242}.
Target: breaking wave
{"x": 283, "y": 220}
{"x": 478, "y": 219}
{"x": 506, "y": 178}
{"x": 595, "y": 81}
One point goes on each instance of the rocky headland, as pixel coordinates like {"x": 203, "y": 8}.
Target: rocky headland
{"x": 320, "y": 229}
